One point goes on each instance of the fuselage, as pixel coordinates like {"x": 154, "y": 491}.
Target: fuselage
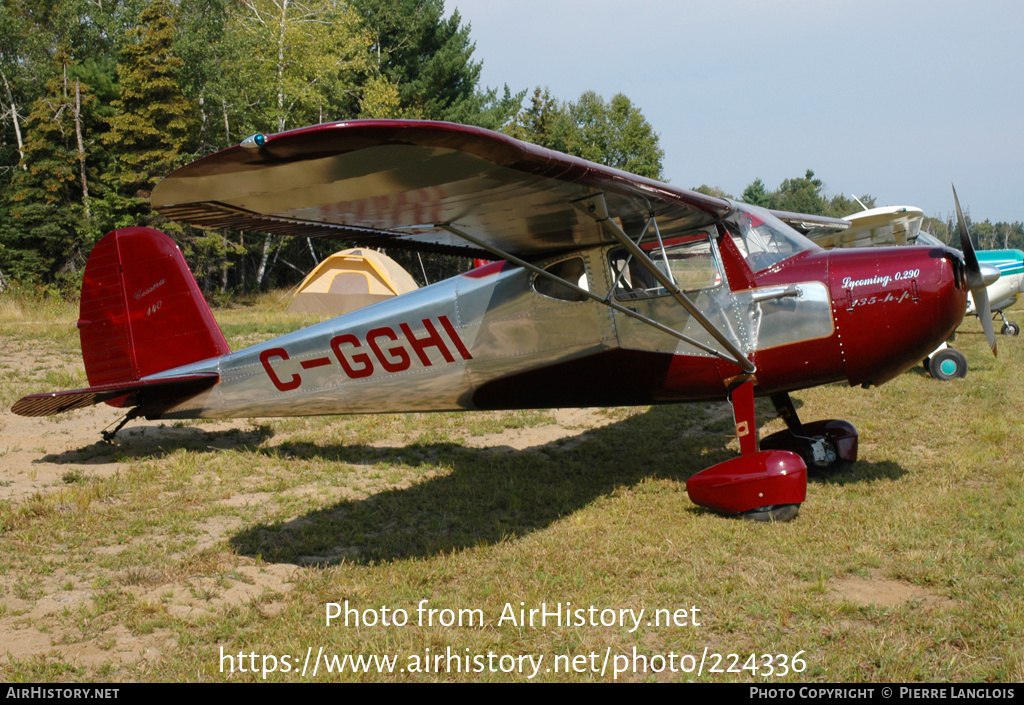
{"x": 1005, "y": 291}
{"x": 504, "y": 337}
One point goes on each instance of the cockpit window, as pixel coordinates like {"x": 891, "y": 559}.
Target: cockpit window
{"x": 763, "y": 239}
{"x": 688, "y": 260}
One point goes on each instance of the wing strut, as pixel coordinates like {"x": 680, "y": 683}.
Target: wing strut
{"x": 741, "y": 361}
{"x": 596, "y": 208}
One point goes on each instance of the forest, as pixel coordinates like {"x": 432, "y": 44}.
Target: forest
{"x": 102, "y": 98}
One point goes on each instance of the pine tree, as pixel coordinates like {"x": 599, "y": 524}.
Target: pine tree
{"x": 154, "y": 126}
{"x": 756, "y": 194}
{"x": 427, "y": 57}
{"x": 50, "y": 228}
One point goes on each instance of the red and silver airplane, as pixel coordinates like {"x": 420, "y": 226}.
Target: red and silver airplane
{"x": 608, "y": 289}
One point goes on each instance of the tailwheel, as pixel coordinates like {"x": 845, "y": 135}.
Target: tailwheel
{"x": 1010, "y": 328}
{"x": 778, "y": 512}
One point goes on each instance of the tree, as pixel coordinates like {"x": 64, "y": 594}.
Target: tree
{"x": 716, "y": 191}
{"x": 206, "y": 73}
{"x": 299, "y": 62}
{"x": 426, "y": 57}
{"x": 51, "y": 228}
{"x": 840, "y": 206}
{"x": 800, "y": 195}
{"x": 614, "y": 133}
{"x": 13, "y": 31}
{"x": 756, "y": 194}
{"x": 154, "y": 125}
{"x": 544, "y": 122}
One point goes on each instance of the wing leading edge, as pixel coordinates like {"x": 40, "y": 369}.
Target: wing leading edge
{"x": 393, "y": 183}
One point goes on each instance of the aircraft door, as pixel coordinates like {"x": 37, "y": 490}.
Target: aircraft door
{"x": 752, "y": 319}
{"x": 693, "y": 263}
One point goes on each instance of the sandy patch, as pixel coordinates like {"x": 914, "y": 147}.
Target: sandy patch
{"x": 569, "y": 423}
{"x": 879, "y": 591}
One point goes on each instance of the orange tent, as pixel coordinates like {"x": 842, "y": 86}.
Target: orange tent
{"x": 349, "y": 280}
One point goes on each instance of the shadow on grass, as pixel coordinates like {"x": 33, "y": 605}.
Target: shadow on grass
{"x": 480, "y": 496}
{"x": 160, "y": 441}
{"x": 860, "y": 471}
{"x": 491, "y": 495}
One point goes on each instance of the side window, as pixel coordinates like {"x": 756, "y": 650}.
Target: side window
{"x": 573, "y": 271}
{"x": 690, "y": 263}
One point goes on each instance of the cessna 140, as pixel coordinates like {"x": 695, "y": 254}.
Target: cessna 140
{"x": 1002, "y": 270}
{"x": 608, "y": 289}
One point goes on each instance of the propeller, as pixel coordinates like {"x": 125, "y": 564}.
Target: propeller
{"x": 975, "y": 277}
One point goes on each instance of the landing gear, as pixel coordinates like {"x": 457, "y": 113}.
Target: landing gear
{"x": 947, "y": 364}
{"x": 1009, "y": 327}
{"x": 108, "y": 436}
{"x": 765, "y": 485}
{"x": 823, "y": 445}
{"x": 780, "y": 512}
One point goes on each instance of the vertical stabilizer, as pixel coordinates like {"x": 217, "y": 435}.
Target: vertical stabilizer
{"x": 141, "y": 310}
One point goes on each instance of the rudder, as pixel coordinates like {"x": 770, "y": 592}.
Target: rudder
{"x": 141, "y": 310}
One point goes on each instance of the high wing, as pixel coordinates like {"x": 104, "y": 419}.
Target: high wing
{"x": 806, "y": 224}
{"x": 889, "y": 225}
{"x": 392, "y": 183}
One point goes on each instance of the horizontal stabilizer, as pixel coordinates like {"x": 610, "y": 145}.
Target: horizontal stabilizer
{"x": 153, "y": 396}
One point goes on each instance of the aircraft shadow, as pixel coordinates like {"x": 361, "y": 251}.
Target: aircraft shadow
{"x": 491, "y": 495}
{"x": 159, "y": 441}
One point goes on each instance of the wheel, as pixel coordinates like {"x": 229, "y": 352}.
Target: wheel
{"x": 1010, "y": 328}
{"x": 820, "y": 454}
{"x": 777, "y": 512}
{"x": 948, "y": 364}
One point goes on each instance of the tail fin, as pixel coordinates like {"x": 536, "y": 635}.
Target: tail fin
{"x": 142, "y": 311}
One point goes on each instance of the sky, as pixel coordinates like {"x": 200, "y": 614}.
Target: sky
{"x": 894, "y": 99}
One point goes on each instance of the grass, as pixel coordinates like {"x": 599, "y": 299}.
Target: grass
{"x": 228, "y": 539}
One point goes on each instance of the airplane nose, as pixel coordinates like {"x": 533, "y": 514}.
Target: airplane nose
{"x": 893, "y": 306}
{"x": 989, "y": 274}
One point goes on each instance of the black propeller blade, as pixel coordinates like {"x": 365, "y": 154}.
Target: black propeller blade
{"x": 975, "y": 279}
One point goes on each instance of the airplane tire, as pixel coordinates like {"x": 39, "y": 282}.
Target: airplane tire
{"x": 777, "y": 512}
{"x": 947, "y": 364}
{"x": 1010, "y": 328}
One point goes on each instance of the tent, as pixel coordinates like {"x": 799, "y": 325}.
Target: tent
{"x": 349, "y": 280}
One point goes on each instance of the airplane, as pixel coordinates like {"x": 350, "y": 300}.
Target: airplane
{"x": 901, "y": 225}
{"x": 1003, "y": 270}
{"x": 606, "y": 289}
{"x": 1005, "y": 290}
{"x": 871, "y": 227}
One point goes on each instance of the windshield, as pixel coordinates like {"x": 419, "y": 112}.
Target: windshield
{"x": 929, "y": 240}
{"x": 764, "y": 239}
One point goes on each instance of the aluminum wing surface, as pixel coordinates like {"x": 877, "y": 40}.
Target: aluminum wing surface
{"x": 813, "y": 226}
{"x": 877, "y": 227}
{"x": 395, "y": 183}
